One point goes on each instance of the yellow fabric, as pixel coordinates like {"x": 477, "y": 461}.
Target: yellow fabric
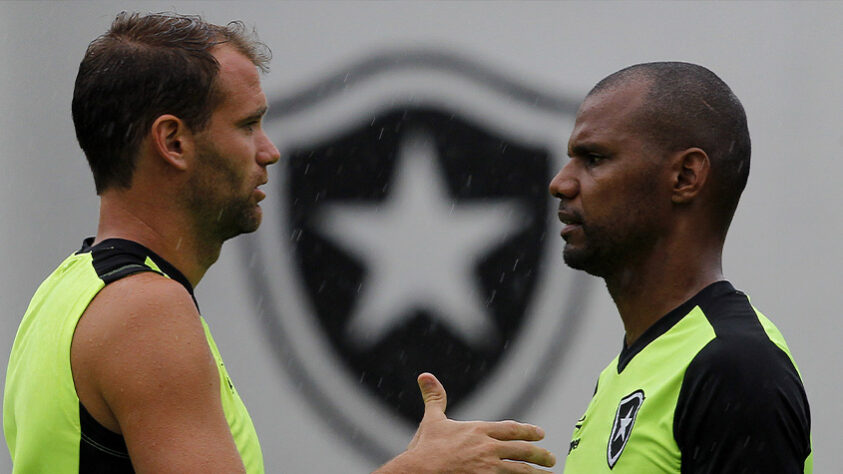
{"x": 238, "y": 418}
{"x": 41, "y": 409}
{"x": 658, "y": 371}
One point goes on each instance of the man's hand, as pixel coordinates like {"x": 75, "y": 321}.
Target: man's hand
{"x": 443, "y": 445}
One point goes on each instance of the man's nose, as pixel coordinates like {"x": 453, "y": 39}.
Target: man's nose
{"x": 564, "y": 184}
{"x": 268, "y": 154}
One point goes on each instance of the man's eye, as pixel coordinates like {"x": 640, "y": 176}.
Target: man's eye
{"x": 593, "y": 158}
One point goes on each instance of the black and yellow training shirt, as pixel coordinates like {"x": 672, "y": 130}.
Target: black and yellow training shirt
{"x": 710, "y": 388}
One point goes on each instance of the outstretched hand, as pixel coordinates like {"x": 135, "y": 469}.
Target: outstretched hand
{"x": 443, "y": 445}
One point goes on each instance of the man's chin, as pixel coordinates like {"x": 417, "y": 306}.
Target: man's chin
{"x": 254, "y": 221}
{"x": 580, "y": 259}
{"x": 252, "y": 225}
{"x": 247, "y": 224}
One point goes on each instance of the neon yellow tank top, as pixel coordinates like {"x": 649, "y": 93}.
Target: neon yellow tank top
{"x": 43, "y": 421}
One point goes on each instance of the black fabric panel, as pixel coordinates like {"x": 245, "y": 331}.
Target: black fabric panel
{"x": 742, "y": 407}
{"x": 112, "y": 254}
{"x": 100, "y": 450}
{"x": 113, "y": 263}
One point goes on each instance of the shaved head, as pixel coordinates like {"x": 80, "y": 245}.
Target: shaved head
{"x": 689, "y": 106}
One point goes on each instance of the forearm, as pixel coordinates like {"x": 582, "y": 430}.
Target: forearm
{"x": 404, "y": 463}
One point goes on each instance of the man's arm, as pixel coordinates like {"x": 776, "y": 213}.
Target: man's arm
{"x": 443, "y": 445}
{"x": 142, "y": 367}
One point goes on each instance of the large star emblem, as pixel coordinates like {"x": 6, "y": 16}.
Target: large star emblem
{"x": 421, "y": 248}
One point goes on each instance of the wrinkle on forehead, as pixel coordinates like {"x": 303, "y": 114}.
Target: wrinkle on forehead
{"x": 611, "y": 114}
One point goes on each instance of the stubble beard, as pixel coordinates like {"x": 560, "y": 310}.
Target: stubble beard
{"x": 608, "y": 251}
{"x": 593, "y": 257}
{"x": 219, "y": 216}
{"x": 242, "y": 217}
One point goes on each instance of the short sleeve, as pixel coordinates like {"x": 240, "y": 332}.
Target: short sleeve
{"x": 742, "y": 408}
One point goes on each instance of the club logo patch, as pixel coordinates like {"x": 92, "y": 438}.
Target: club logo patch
{"x": 622, "y": 427}
{"x": 410, "y": 229}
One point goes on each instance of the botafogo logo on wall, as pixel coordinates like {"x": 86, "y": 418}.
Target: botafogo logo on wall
{"x": 410, "y": 229}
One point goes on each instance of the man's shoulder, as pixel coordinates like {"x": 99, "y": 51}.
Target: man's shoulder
{"x": 737, "y": 324}
{"x": 746, "y": 355}
{"x": 148, "y": 326}
{"x": 747, "y": 352}
{"x": 141, "y": 298}
{"x": 138, "y": 307}
{"x": 741, "y": 354}
{"x": 742, "y": 389}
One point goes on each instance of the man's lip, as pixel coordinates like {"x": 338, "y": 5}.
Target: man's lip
{"x": 568, "y": 229}
{"x": 261, "y": 182}
{"x": 571, "y": 220}
{"x": 568, "y": 218}
{"x": 260, "y": 193}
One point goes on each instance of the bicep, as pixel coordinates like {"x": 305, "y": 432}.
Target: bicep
{"x": 159, "y": 379}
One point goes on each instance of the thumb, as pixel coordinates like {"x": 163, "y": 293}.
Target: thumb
{"x": 433, "y": 394}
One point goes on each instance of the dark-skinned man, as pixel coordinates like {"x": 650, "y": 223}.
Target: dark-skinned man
{"x": 704, "y": 383}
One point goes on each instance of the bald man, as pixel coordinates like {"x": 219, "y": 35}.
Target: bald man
{"x": 704, "y": 383}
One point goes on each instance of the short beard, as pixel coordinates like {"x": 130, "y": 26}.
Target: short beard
{"x": 606, "y": 251}
{"x": 590, "y": 259}
{"x": 234, "y": 219}
{"x": 219, "y": 218}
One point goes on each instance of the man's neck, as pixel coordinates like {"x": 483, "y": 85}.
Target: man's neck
{"x": 647, "y": 290}
{"x": 168, "y": 235}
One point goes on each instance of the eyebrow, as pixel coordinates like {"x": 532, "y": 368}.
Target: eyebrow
{"x": 586, "y": 148}
{"x": 254, "y": 116}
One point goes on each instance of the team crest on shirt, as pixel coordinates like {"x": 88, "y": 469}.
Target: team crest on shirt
{"x": 622, "y": 426}
{"x": 408, "y": 228}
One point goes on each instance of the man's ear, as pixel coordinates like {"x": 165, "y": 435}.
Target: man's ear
{"x": 691, "y": 169}
{"x": 171, "y": 140}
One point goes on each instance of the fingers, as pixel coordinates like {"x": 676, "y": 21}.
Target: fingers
{"x": 474, "y": 446}
{"x": 433, "y": 394}
{"x": 513, "y": 467}
{"x": 524, "y": 451}
{"x": 512, "y": 430}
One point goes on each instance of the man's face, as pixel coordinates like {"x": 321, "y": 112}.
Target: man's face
{"x": 232, "y": 153}
{"x": 611, "y": 200}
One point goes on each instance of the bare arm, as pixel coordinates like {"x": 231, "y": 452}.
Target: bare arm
{"x": 443, "y": 445}
{"x": 142, "y": 368}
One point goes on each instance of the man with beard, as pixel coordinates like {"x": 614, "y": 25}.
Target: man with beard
{"x": 113, "y": 369}
{"x": 704, "y": 382}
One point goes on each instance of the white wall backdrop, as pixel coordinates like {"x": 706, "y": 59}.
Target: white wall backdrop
{"x": 782, "y": 59}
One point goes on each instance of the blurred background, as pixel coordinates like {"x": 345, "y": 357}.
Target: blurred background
{"x": 408, "y": 226}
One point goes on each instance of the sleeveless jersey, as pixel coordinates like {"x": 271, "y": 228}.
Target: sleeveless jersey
{"x": 711, "y": 387}
{"x": 47, "y": 429}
